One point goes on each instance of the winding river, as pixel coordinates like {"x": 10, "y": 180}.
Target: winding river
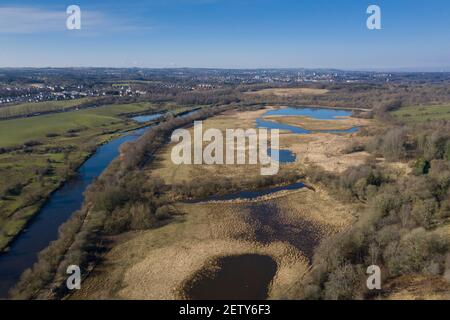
{"x": 43, "y": 228}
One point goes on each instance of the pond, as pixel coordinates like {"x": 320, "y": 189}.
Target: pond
{"x": 314, "y": 113}
{"x": 282, "y": 156}
{"x": 242, "y": 277}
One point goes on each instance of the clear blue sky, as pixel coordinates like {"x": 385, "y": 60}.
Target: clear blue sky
{"x": 226, "y": 34}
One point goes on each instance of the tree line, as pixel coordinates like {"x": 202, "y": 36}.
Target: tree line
{"x": 399, "y": 227}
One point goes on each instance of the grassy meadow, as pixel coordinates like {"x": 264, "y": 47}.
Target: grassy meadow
{"x": 418, "y": 114}
{"x": 38, "y": 107}
{"x": 18, "y": 131}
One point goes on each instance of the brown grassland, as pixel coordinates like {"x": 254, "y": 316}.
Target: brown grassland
{"x": 156, "y": 264}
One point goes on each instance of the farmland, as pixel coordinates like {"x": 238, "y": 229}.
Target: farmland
{"x": 18, "y": 131}
{"x": 39, "y": 107}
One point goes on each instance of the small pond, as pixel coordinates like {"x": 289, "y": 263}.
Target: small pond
{"x": 243, "y": 277}
{"x": 314, "y": 113}
{"x": 282, "y": 156}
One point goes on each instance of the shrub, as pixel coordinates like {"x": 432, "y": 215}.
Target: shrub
{"x": 447, "y": 151}
{"x": 354, "y": 147}
{"x": 423, "y": 212}
{"x": 343, "y": 283}
{"x": 165, "y": 212}
{"x": 141, "y": 217}
{"x": 393, "y": 144}
{"x": 52, "y": 135}
{"x": 32, "y": 143}
{"x": 414, "y": 252}
{"x": 421, "y": 166}
{"x": 15, "y": 190}
{"x": 110, "y": 198}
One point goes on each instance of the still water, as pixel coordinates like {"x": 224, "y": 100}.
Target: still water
{"x": 314, "y": 113}
{"x": 244, "y": 277}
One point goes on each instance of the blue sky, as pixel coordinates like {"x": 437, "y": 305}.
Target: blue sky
{"x": 226, "y": 34}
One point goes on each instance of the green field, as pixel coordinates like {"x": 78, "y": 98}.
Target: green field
{"x": 37, "y": 107}
{"x": 423, "y": 113}
{"x": 17, "y": 131}
{"x": 29, "y": 175}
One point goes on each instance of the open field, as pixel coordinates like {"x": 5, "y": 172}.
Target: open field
{"x": 39, "y": 107}
{"x": 289, "y": 92}
{"x": 17, "y": 131}
{"x": 423, "y": 113}
{"x": 28, "y": 178}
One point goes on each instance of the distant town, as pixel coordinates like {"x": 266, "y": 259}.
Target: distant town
{"x": 53, "y": 84}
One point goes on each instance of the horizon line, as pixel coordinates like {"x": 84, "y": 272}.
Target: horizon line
{"x": 445, "y": 69}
